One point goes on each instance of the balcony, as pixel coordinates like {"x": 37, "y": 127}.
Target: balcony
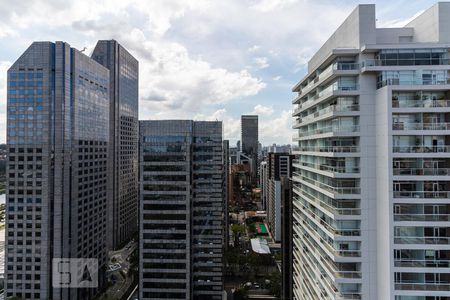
{"x": 427, "y": 240}
{"x": 420, "y": 126}
{"x": 330, "y": 129}
{"x": 421, "y": 149}
{"x": 329, "y": 109}
{"x": 423, "y": 263}
{"x": 421, "y": 217}
{"x": 404, "y": 62}
{"x": 428, "y": 103}
{"x": 332, "y": 189}
{"x": 332, "y": 149}
{"x": 422, "y": 194}
{"x": 422, "y": 171}
{"x": 328, "y": 168}
{"x": 435, "y": 286}
{"x": 396, "y": 81}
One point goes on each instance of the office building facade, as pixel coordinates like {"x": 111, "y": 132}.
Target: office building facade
{"x": 279, "y": 166}
{"x": 371, "y": 184}
{"x": 57, "y": 136}
{"x": 181, "y": 210}
{"x": 249, "y": 140}
{"x": 123, "y": 135}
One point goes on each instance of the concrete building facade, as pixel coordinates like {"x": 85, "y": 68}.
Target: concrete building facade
{"x": 57, "y": 136}
{"x": 181, "y": 210}
{"x": 371, "y": 181}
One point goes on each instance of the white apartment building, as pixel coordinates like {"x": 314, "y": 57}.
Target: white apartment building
{"x": 371, "y": 184}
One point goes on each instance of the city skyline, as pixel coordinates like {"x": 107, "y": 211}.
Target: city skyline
{"x": 179, "y": 52}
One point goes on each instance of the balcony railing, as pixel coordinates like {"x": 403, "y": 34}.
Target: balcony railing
{"x": 410, "y": 103}
{"x": 421, "y": 149}
{"x": 422, "y": 217}
{"x": 429, "y": 240}
{"x": 435, "y": 286}
{"x": 422, "y": 171}
{"x": 328, "y": 109}
{"x": 328, "y": 129}
{"x": 421, "y": 126}
{"x": 404, "y": 62}
{"x": 338, "y": 149}
{"x": 328, "y": 168}
{"x": 421, "y": 194}
{"x": 396, "y": 81}
{"x": 427, "y": 263}
{"x": 333, "y": 189}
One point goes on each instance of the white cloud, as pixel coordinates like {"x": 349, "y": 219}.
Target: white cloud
{"x": 4, "y": 66}
{"x": 254, "y": 48}
{"x": 269, "y": 5}
{"x": 398, "y": 22}
{"x": 277, "y": 130}
{"x": 261, "y": 62}
{"x": 262, "y": 110}
{"x": 276, "y": 78}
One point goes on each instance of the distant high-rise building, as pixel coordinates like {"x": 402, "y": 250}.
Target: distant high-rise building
{"x": 279, "y": 165}
{"x": 371, "y": 186}
{"x": 181, "y": 210}
{"x": 264, "y": 183}
{"x": 123, "y": 122}
{"x": 57, "y": 136}
{"x": 226, "y": 189}
{"x": 286, "y": 238}
{"x": 249, "y": 140}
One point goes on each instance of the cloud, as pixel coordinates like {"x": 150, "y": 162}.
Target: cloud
{"x": 4, "y": 66}
{"x": 262, "y": 110}
{"x": 270, "y": 5}
{"x": 277, "y": 130}
{"x": 276, "y": 78}
{"x": 261, "y": 62}
{"x": 254, "y": 48}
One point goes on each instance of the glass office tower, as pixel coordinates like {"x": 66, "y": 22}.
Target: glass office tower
{"x": 181, "y": 210}
{"x": 123, "y": 123}
{"x": 57, "y": 137}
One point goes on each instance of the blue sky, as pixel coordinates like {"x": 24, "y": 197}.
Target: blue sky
{"x": 199, "y": 59}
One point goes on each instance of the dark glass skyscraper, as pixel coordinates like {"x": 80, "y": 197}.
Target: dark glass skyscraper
{"x": 249, "y": 140}
{"x": 123, "y": 135}
{"x": 57, "y": 136}
{"x": 181, "y": 210}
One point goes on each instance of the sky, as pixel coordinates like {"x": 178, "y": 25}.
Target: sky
{"x": 198, "y": 59}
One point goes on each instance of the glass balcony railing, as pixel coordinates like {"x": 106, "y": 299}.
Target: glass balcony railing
{"x": 416, "y": 263}
{"x": 422, "y": 194}
{"x": 407, "y": 103}
{"x": 328, "y": 129}
{"x": 339, "y": 149}
{"x": 429, "y": 240}
{"x": 329, "y": 109}
{"x": 413, "y": 286}
{"x": 332, "y": 189}
{"x": 422, "y": 217}
{"x": 421, "y": 149}
{"x": 422, "y": 171}
{"x": 404, "y": 62}
{"x": 396, "y": 81}
{"x": 329, "y": 168}
{"x": 420, "y": 126}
